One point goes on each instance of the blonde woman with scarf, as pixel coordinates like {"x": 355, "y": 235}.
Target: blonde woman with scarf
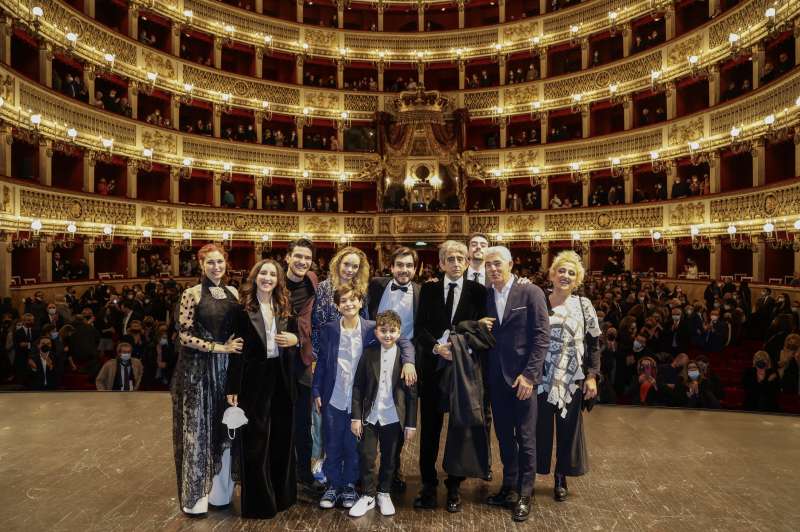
{"x": 569, "y": 376}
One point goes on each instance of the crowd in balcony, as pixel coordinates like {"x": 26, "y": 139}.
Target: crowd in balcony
{"x": 565, "y": 202}
{"x": 64, "y": 270}
{"x": 157, "y": 119}
{"x": 105, "y": 187}
{"x": 114, "y": 102}
{"x": 615, "y": 195}
{"x": 401, "y": 84}
{"x": 318, "y": 141}
{"x": 691, "y": 186}
{"x": 319, "y": 80}
{"x": 657, "y": 115}
{"x": 531, "y": 201}
{"x": 363, "y": 84}
{"x": 648, "y": 40}
{"x": 524, "y": 138}
{"x": 152, "y": 265}
{"x": 71, "y": 85}
{"x": 476, "y": 80}
{"x": 242, "y": 133}
{"x": 520, "y": 76}
{"x": 199, "y": 59}
{"x": 773, "y": 71}
{"x": 200, "y": 128}
{"x": 277, "y": 137}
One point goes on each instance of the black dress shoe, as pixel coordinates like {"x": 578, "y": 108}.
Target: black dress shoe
{"x": 453, "y": 503}
{"x": 398, "y": 484}
{"x": 488, "y": 477}
{"x": 560, "y": 489}
{"x": 505, "y": 498}
{"x": 522, "y": 509}
{"x": 196, "y": 516}
{"x": 426, "y": 500}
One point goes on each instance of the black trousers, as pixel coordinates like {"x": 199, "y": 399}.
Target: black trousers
{"x": 431, "y": 421}
{"x": 571, "y": 456}
{"x": 386, "y": 437}
{"x": 302, "y": 434}
{"x": 267, "y": 458}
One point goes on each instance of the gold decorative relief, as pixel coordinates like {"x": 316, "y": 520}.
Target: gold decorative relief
{"x": 684, "y": 132}
{"x": 320, "y": 38}
{"x": 359, "y": 226}
{"x": 320, "y": 163}
{"x": 679, "y": 53}
{"x": 521, "y": 159}
{"x": 628, "y": 218}
{"x": 522, "y": 223}
{"x": 687, "y": 213}
{"x": 420, "y": 224}
{"x": 8, "y": 199}
{"x": 484, "y": 224}
{"x": 321, "y": 224}
{"x": 521, "y": 95}
{"x": 218, "y": 220}
{"x": 322, "y": 100}
{"x": 159, "y": 141}
{"x": 159, "y": 64}
{"x": 80, "y": 209}
{"x": 159, "y": 217}
{"x": 520, "y": 32}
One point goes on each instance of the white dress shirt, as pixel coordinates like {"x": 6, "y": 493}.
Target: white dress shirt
{"x": 402, "y": 303}
{"x": 481, "y": 275}
{"x": 501, "y": 298}
{"x": 383, "y": 410}
{"x": 350, "y": 347}
{"x": 270, "y": 329}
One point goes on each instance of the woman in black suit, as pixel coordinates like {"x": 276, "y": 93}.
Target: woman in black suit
{"x": 260, "y": 382}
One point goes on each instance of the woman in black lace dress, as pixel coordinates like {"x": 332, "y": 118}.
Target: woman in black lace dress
{"x": 202, "y": 448}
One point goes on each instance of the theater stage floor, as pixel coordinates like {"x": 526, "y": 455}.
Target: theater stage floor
{"x": 87, "y": 461}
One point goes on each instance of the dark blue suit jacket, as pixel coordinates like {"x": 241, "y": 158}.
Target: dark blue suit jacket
{"x": 522, "y": 339}
{"x": 325, "y": 371}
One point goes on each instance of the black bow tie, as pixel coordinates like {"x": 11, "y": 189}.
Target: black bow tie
{"x": 398, "y": 287}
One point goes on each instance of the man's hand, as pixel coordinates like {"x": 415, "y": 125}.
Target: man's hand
{"x": 409, "y": 433}
{"x": 409, "y": 374}
{"x": 524, "y": 387}
{"x": 318, "y": 404}
{"x": 443, "y": 350}
{"x": 356, "y": 428}
{"x": 488, "y": 322}
{"x": 589, "y": 388}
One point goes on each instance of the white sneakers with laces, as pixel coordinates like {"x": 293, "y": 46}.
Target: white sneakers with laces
{"x": 385, "y": 504}
{"x": 364, "y": 504}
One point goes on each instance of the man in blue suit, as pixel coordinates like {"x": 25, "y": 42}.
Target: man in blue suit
{"x": 522, "y": 333}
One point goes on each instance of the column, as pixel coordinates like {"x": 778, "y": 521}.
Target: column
{"x": 715, "y": 171}
{"x": 627, "y": 260}
{"x": 503, "y": 74}
{"x": 217, "y": 51}
{"x": 133, "y": 99}
{"x": 175, "y": 258}
{"x": 671, "y": 173}
{"x": 796, "y": 41}
{"x": 543, "y": 124}
{"x": 759, "y": 260}
{"x": 300, "y": 11}
{"x": 461, "y": 18}
{"x": 543, "y": 63}
{"x": 759, "y": 162}
{"x": 758, "y": 64}
{"x": 584, "y": 53}
{"x": 627, "y": 112}
{"x": 381, "y": 72}
{"x": 133, "y": 22}
{"x": 715, "y": 258}
{"x": 585, "y": 125}
{"x": 420, "y": 17}
{"x": 586, "y": 192}
{"x": 669, "y": 22}
{"x": 503, "y": 134}
{"x": 544, "y": 192}
{"x": 380, "y": 17}
{"x": 796, "y": 269}
{"x": 713, "y": 8}
{"x": 88, "y": 253}
{"x": 340, "y": 137}
{"x": 175, "y": 112}
{"x": 88, "y": 8}
{"x": 216, "y": 119}
{"x": 672, "y": 265}
{"x": 299, "y": 135}
{"x": 132, "y": 177}
{"x": 340, "y": 15}
{"x": 462, "y": 76}
{"x": 217, "y": 201}
{"x": 586, "y": 256}
{"x": 339, "y": 74}
{"x": 88, "y": 173}
{"x": 627, "y": 39}
{"x": 421, "y": 73}
{"x": 174, "y": 184}
{"x": 713, "y": 86}
{"x": 5, "y": 150}
{"x": 298, "y": 70}
{"x": 503, "y": 185}
{"x": 796, "y": 159}
{"x": 5, "y": 268}
{"x": 627, "y": 184}
{"x": 340, "y": 198}
{"x": 45, "y": 264}
{"x": 46, "y": 163}
{"x": 259, "y": 192}
{"x": 88, "y": 80}
{"x": 299, "y": 193}
{"x": 6, "y": 29}
{"x": 672, "y": 100}
{"x": 545, "y": 257}
{"x": 130, "y": 246}
{"x": 259, "y": 72}
{"x": 542, "y": 7}
{"x": 46, "y": 65}
{"x": 502, "y": 5}
{"x": 259, "y": 117}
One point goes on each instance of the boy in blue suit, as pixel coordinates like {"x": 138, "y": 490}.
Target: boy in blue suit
{"x": 340, "y": 347}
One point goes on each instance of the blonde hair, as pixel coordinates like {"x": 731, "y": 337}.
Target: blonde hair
{"x": 762, "y": 355}
{"x": 569, "y": 257}
{"x": 361, "y": 280}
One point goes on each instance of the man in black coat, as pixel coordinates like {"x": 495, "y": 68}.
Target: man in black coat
{"x": 443, "y": 303}
{"x": 400, "y": 294}
{"x": 677, "y": 336}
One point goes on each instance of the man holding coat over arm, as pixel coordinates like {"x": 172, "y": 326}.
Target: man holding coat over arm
{"x": 522, "y": 334}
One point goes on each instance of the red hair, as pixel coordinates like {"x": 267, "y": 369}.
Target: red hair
{"x": 210, "y": 248}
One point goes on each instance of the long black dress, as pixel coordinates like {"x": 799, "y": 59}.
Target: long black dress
{"x": 267, "y": 393}
{"x": 207, "y": 316}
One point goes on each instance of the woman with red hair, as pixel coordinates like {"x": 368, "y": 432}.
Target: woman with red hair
{"x": 202, "y": 447}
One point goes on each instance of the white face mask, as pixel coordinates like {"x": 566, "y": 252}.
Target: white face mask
{"x": 234, "y": 418}
{"x": 637, "y": 345}
{"x": 52, "y": 311}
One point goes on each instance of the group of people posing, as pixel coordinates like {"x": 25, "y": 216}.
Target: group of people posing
{"x": 364, "y": 357}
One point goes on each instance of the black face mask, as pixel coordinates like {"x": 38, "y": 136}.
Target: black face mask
{"x": 44, "y": 348}
{"x": 761, "y": 364}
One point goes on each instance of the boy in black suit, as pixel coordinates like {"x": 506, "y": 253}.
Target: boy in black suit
{"x": 384, "y": 410}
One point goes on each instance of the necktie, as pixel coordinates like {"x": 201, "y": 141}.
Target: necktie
{"x": 398, "y": 287}
{"x": 476, "y": 277}
{"x": 448, "y": 304}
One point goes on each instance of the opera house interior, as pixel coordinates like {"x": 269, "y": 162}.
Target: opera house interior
{"x": 658, "y": 139}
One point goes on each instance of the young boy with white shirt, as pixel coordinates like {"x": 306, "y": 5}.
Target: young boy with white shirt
{"x": 384, "y": 410}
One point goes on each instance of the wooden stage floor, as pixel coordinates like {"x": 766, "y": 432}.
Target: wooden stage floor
{"x": 89, "y": 461}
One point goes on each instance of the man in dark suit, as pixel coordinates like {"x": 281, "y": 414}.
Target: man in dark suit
{"x": 42, "y": 368}
{"x": 24, "y": 345}
{"x": 477, "y": 244}
{"x": 400, "y": 294}
{"x": 522, "y": 335}
{"x": 678, "y": 336}
{"x": 52, "y": 317}
{"x": 443, "y": 303}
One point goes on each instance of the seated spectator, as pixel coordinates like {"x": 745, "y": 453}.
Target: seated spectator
{"x": 644, "y": 390}
{"x": 700, "y": 393}
{"x": 228, "y": 199}
{"x": 680, "y": 189}
{"x": 761, "y": 385}
{"x": 671, "y": 383}
{"x": 122, "y": 373}
{"x": 42, "y": 373}
{"x": 788, "y": 364}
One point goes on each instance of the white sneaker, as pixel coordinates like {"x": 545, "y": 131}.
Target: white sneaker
{"x": 385, "y": 504}
{"x": 362, "y": 506}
